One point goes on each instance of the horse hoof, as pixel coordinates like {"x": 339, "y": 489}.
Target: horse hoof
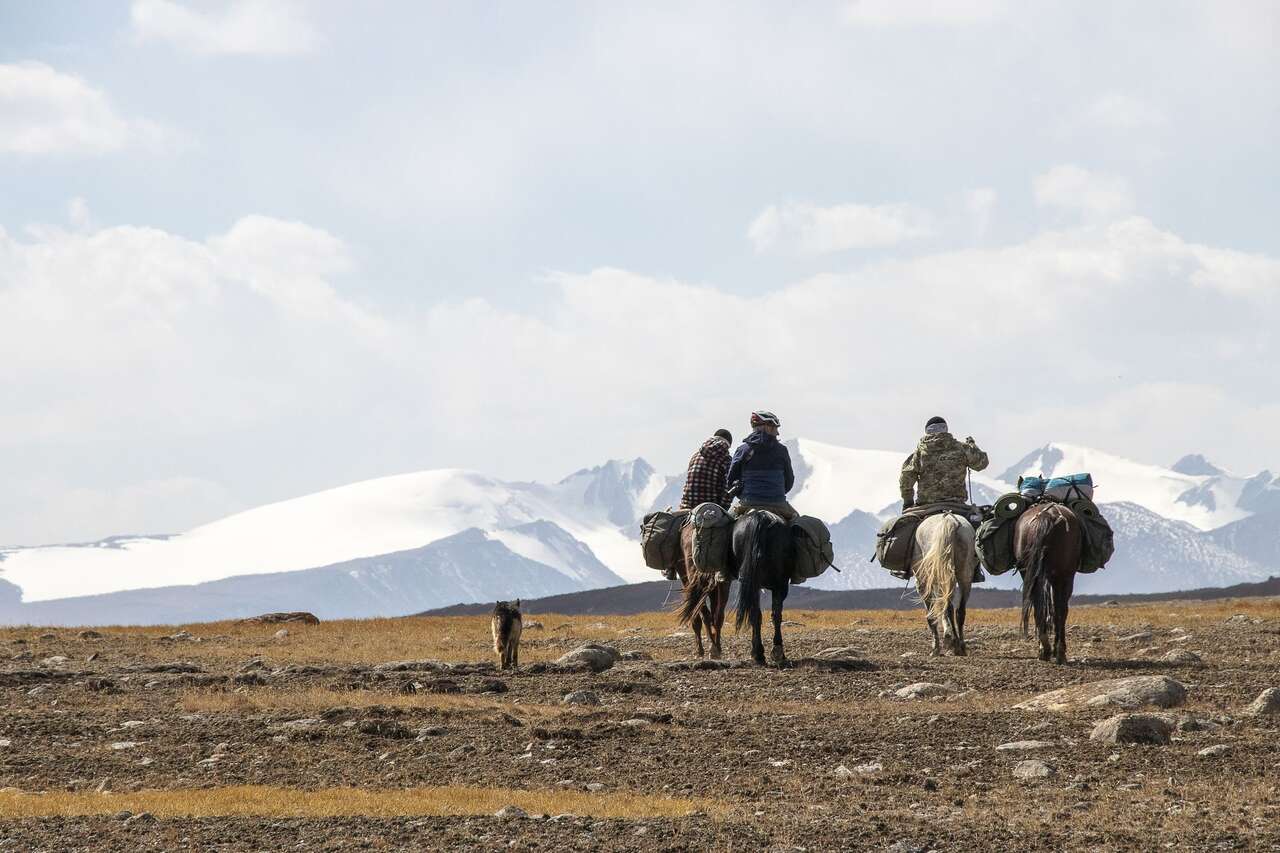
{"x": 1044, "y": 656}
{"x": 935, "y": 653}
{"x": 778, "y": 655}
{"x": 961, "y": 652}
{"x": 758, "y": 660}
{"x": 715, "y": 653}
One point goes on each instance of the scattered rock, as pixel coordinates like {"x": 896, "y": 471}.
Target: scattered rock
{"x": 533, "y": 625}
{"x": 1033, "y": 769}
{"x": 1181, "y": 657}
{"x": 180, "y": 637}
{"x": 492, "y": 685}
{"x": 1266, "y": 705}
{"x": 282, "y": 634}
{"x": 595, "y": 787}
{"x": 925, "y": 690}
{"x": 838, "y": 652}
{"x": 5, "y": 742}
{"x": 54, "y": 661}
{"x": 431, "y": 731}
{"x": 140, "y": 817}
{"x": 594, "y": 656}
{"x": 636, "y": 654}
{"x": 1215, "y": 750}
{"x": 89, "y": 635}
{"x": 125, "y": 744}
{"x": 868, "y": 769}
{"x": 1135, "y": 692}
{"x": 580, "y": 697}
{"x": 1152, "y": 729}
{"x": 378, "y": 727}
{"x": 843, "y": 772}
{"x": 299, "y": 616}
{"x": 1025, "y": 745}
{"x": 509, "y": 812}
{"x": 1140, "y": 637}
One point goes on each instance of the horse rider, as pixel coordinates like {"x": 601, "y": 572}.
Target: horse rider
{"x": 935, "y": 472}
{"x": 706, "y": 479}
{"x": 760, "y": 474}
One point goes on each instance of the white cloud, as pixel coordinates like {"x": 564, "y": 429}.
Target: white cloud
{"x": 912, "y": 13}
{"x": 980, "y": 204}
{"x": 1092, "y": 195}
{"x": 249, "y": 336}
{"x": 44, "y": 111}
{"x": 808, "y": 229}
{"x": 1119, "y": 111}
{"x": 264, "y": 27}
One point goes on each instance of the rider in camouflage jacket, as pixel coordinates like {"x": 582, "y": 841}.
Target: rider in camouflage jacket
{"x": 936, "y": 471}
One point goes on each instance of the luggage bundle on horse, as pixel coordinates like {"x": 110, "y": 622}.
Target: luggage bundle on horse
{"x": 660, "y": 538}
{"x": 1071, "y": 487}
{"x": 995, "y": 534}
{"x": 712, "y": 538}
{"x": 813, "y": 549}
{"x": 895, "y": 543}
{"x": 1099, "y": 540}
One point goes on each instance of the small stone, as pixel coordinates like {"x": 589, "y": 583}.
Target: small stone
{"x": 509, "y": 812}
{"x": 1025, "y": 745}
{"x": 925, "y": 690}
{"x": 89, "y": 635}
{"x": 282, "y": 634}
{"x": 1266, "y": 705}
{"x": 37, "y": 690}
{"x": 868, "y": 769}
{"x": 1140, "y": 637}
{"x": 5, "y": 742}
{"x": 1181, "y": 657}
{"x": 593, "y": 787}
{"x": 140, "y": 817}
{"x": 54, "y": 661}
{"x": 593, "y": 656}
{"x": 1216, "y": 749}
{"x": 843, "y": 772}
{"x": 1033, "y": 769}
{"x": 125, "y": 744}
{"x": 1133, "y": 728}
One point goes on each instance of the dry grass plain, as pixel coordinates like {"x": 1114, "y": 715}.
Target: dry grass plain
{"x": 332, "y": 737}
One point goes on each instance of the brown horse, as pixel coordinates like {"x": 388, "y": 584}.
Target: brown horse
{"x": 704, "y": 598}
{"x": 1046, "y": 545}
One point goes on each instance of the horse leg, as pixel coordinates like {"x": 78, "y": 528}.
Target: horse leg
{"x": 696, "y": 624}
{"x": 937, "y": 646}
{"x": 962, "y": 603}
{"x": 1061, "y": 598}
{"x": 779, "y": 656}
{"x": 715, "y": 625}
{"x": 1043, "y": 614}
{"x": 757, "y": 647}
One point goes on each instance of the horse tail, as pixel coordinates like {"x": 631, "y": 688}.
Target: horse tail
{"x": 1035, "y": 585}
{"x": 696, "y": 594}
{"x": 751, "y": 564}
{"x": 936, "y": 573}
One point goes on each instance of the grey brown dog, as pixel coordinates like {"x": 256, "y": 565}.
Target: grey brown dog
{"x": 506, "y": 633}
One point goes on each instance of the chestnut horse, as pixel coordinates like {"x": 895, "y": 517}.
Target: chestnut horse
{"x": 1046, "y": 544}
{"x": 704, "y": 598}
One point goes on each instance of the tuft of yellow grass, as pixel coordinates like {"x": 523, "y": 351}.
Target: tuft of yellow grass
{"x": 279, "y": 802}
{"x": 320, "y": 699}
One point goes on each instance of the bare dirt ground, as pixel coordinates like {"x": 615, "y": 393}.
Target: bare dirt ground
{"x": 345, "y": 736}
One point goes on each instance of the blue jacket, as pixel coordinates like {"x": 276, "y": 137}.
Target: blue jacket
{"x": 763, "y": 466}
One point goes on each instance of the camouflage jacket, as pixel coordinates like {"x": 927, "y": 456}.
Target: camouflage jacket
{"x": 936, "y": 470}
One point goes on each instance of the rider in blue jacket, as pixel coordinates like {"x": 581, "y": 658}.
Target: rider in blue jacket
{"x": 760, "y": 474}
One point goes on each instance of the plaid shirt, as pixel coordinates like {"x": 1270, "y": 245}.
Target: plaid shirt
{"x": 708, "y": 470}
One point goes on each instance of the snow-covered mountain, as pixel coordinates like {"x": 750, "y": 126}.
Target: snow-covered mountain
{"x": 1193, "y": 490}
{"x": 1189, "y": 525}
{"x": 467, "y": 566}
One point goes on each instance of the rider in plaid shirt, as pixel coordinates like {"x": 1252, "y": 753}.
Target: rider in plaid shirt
{"x": 708, "y": 469}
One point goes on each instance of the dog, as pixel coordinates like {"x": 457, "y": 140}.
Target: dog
{"x": 506, "y": 633}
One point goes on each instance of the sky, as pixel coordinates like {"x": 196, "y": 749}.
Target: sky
{"x": 252, "y": 249}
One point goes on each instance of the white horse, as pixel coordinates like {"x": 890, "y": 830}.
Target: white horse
{"x": 943, "y": 566}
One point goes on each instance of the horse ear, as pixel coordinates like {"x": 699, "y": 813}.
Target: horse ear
{"x": 517, "y": 604}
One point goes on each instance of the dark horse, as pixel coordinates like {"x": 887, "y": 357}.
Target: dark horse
{"x": 704, "y": 598}
{"x": 763, "y": 550}
{"x": 1046, "y": 545}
